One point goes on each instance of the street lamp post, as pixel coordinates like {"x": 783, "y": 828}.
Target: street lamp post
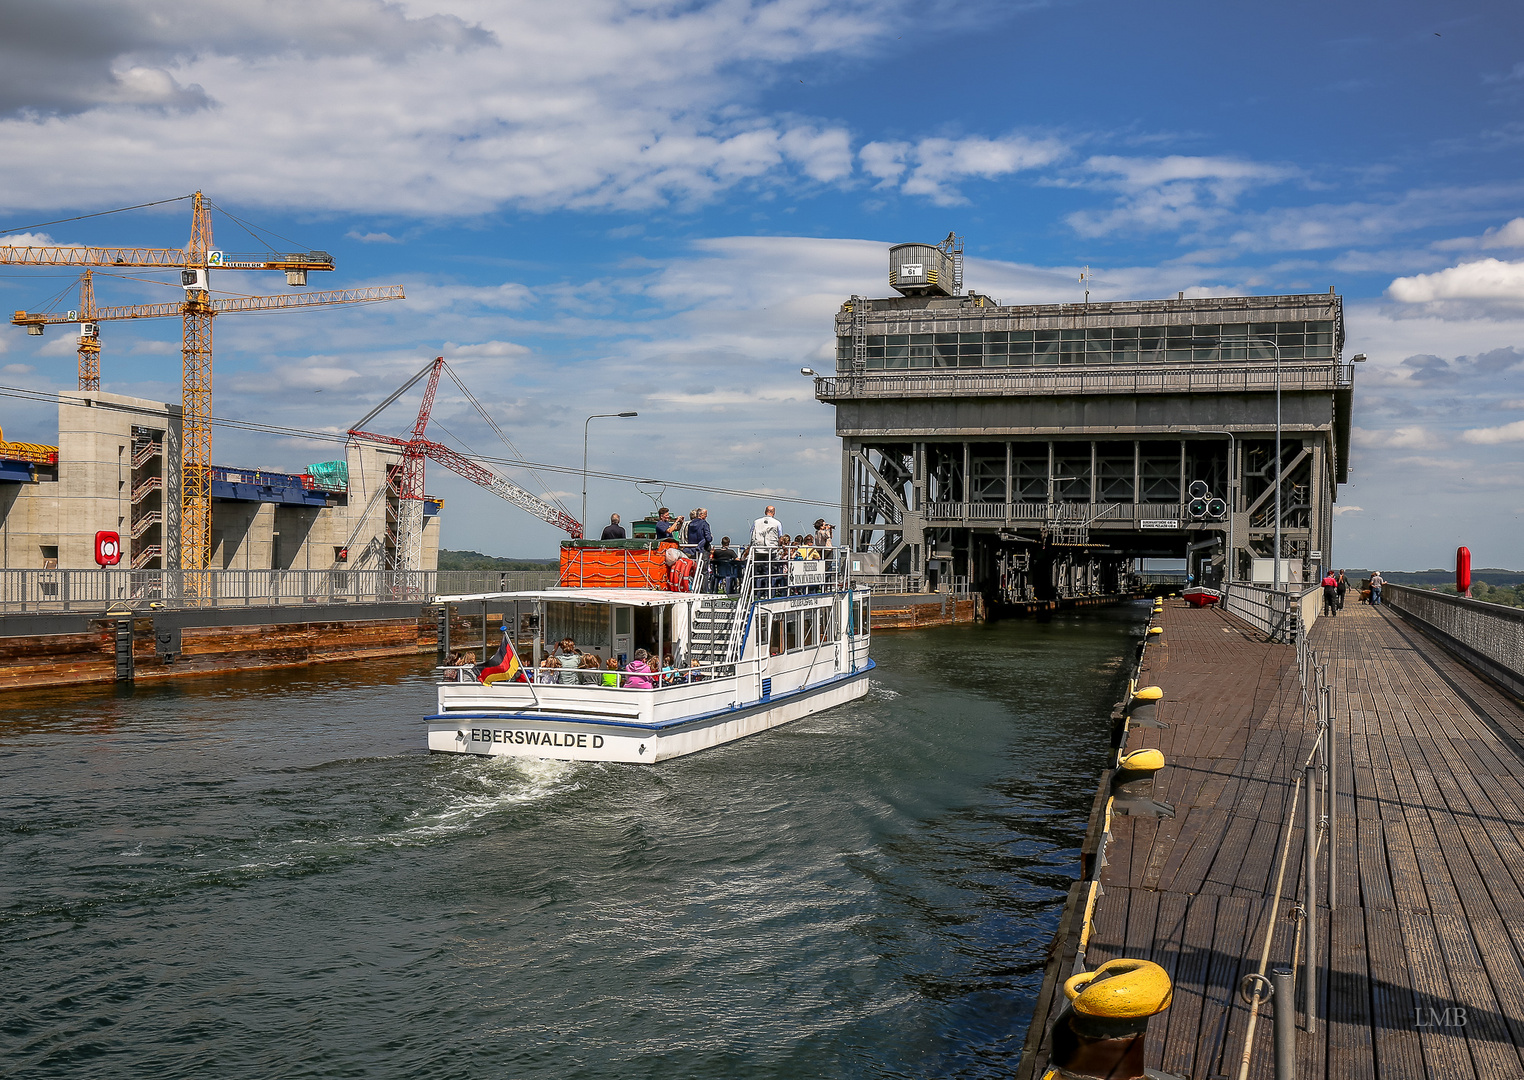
{"x": 585, "y": 423}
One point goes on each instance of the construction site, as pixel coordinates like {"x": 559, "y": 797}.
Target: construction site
{"x": 125, "y": 534}
{"x": 1036, "y": 455}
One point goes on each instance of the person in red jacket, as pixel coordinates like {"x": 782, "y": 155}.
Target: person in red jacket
{"x": 1330, "y": 594}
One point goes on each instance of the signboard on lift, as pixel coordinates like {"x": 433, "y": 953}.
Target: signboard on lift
{"x": 1159, "y": 523}
{"x": 912, "y": 269}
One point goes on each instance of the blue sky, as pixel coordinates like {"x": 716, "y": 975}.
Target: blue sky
{"x": 601, "y": 205}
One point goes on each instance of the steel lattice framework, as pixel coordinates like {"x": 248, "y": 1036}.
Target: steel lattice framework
{"x": 406, "y": 481}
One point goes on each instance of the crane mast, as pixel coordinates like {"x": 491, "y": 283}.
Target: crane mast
{"x": 194, "y": 535}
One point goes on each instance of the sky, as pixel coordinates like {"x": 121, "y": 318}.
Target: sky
{"x": 598, "y": 206}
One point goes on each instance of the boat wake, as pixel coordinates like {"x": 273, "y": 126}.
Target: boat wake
{"x": 483, "y": 787}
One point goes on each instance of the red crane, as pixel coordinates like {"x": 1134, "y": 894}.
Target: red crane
{"x": 406, "y": 481}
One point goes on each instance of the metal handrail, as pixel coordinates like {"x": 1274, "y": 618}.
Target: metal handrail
{"x": 1316, "y": 697}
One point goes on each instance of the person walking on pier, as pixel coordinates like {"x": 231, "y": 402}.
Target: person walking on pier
{"x": 1330, "y": 594}
{"x": 1343, "y": 588}
{"x": 1376, "y": 582}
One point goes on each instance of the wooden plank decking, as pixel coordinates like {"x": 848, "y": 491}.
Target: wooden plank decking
{"x": 1423, "y": 960}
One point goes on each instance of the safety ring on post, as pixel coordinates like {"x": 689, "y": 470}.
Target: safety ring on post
{"x": 1253, "y": 982}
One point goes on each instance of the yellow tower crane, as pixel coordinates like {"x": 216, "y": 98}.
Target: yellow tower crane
{"x": 194, "y": 261}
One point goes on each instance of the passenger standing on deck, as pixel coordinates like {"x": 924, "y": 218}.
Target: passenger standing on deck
{"x": 1376, "y": 582}
{"x": 613, "y": 530}
{"x": 666, "y": 528}
{"x": 765, "y": 532}
{"x": 1330, "y": 594}
{"x": 1343, "y": 588}
{"x": 699, "y": 536}
{"x": 823, "y": 533}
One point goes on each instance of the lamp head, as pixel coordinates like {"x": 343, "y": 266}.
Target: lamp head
{"x": 629, "y": 414}
{"x": 1358, "y": 358}
{"x": 808, "y": 371}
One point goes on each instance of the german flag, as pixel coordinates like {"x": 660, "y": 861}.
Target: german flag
{"x": 504, "y": 665}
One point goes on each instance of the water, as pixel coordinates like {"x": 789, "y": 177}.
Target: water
{"x": 263, "y": 875}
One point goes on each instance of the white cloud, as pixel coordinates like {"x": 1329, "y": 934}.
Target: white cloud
{"x": 1340, "y": 510}
{"x": 372, "y": 237}
{"x": 935, "y": 166}
{"x": 1406, "y": 438}
{"x": 31, "y": 239}
{"x": 1508, "y": 236}
{"x": 1171, "y": 194}
{"x": 484, "y": 350}
{"x": 1492, "y": 282}
{"x": 490, "y": 104}
{"x": 1490, "y": 436}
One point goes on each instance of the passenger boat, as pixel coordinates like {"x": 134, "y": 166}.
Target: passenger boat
{"x": 791, "y": 642}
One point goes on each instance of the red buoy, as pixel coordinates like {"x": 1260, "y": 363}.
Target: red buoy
{"x": 1463, "y": 571}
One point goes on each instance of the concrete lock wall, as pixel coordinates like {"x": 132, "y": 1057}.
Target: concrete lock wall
{"x": 1490, "y": 636}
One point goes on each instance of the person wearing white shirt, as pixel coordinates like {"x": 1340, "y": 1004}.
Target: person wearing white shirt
{"x": 766, "y": 530}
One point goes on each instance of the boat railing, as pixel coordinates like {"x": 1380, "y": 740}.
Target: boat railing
{"x": 594, "y": 680}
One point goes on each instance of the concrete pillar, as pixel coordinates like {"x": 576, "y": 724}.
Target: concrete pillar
{"x": 1137, "y": 472}
{"x": 1093, "y": 481}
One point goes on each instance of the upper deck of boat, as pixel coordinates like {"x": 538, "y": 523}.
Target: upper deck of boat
{"x": 616, "y": 597}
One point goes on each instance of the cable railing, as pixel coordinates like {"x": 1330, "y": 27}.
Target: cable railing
{"x": 1315, "y": 791}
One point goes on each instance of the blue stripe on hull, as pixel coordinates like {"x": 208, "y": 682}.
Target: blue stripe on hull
{"x": 663, "y": 725}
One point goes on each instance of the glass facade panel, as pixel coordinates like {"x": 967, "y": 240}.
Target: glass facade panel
{"x": 1197, "y": 343}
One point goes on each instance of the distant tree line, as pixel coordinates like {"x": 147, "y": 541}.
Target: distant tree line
{"x": 1507, "y": 595}
{"x": 475, "y": 560}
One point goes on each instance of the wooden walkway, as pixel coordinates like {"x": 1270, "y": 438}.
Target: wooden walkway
{"x": 1423, "y": 960}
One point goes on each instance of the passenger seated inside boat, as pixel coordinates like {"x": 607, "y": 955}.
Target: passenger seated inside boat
{"x": 570, "y": 660}
{"x": 694, "y": 674}
{"x": 591, "y": 673}
{"x": 638, "y": 673}
{"x": 611, "y": 676}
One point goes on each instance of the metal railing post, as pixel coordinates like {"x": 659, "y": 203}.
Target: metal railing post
{"x": 1330, "y": 746}
{"x": 1283, "y": 1000}
{"x": 1310, "y": 901}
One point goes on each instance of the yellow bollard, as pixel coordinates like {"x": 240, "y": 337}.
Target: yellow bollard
{"x": 1132, "y": 784}
{"x": 1144, "y": 705}
{"x": 1156, "y": 629}
{"x": 1102, "y": 1030}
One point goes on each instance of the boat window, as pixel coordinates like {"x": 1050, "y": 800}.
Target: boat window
{"x": 809, "y": 628}
{"x": 623, "y": 617}
{"x": 585, "y": 623}
{"x": 792, "y": 622}
{"x": 825, "y": 626}
{"x": 775, "y": 645}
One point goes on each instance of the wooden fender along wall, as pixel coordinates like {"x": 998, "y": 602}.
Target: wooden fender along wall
{"x": 164, "y": 648}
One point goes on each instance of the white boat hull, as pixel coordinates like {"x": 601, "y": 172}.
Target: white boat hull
{"x": 508, "y": 734}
